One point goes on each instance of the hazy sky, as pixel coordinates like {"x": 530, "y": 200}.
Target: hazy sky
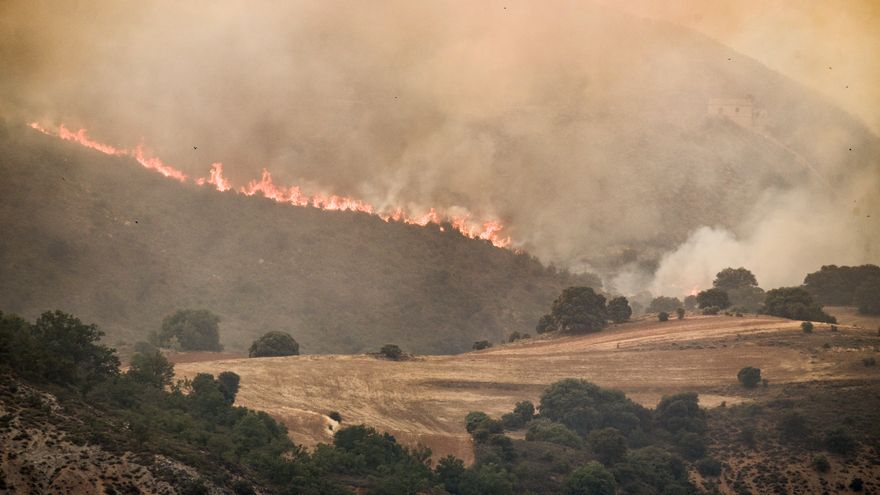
{"x": 830, "y": 46}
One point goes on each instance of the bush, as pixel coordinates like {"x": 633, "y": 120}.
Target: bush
{"x": 335, "y": 416}
{"x": 691, "y": 445}
{"x": 391, "y": 351}
{"x": 592, "y": 479}
{"x": 544, "y": 430}
{"x": 583, "y": 406}
{"x": 867, "y": 296}
{"x": 274, "y": 344}
{"x": 807, "y": 327}
{"x": 525, "y": 409}
{"x": 794, "y": 303}
{"x": 820, "y": 463}
{"x": 711, "y": 310}
{"x": 680, "y": 313}
{"x": 151, "y": 369}
{"x": 514, "y": 337}
{"x": 709, "y": 467}
{"x": 545, "y": 324}
{"x": 793, "y": 426}
{"x": 481, "y": 344}
{"x": 839, "y": 441}
{"x": 608, "y": 444}
{"x": 579, "y": 309}
{"x": 713, "y": 297}
{"x": 749, "y": 377}
{"x": 663, "y": 316}
{"x": 869, "y": 361}
{"x": 619, "y": 310}
{"x": 663, "y": 303}
{"x": 192, "y": 330}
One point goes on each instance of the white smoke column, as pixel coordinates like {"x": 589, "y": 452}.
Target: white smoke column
{"x": 788, "y": 235}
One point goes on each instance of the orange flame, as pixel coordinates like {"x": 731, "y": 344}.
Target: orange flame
{"x": 489, "y": 230}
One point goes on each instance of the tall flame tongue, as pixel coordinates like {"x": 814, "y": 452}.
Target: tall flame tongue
{"x": 490, "y": 230}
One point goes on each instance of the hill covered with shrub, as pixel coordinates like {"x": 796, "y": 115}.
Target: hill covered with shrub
{"x": 124, "y": 247}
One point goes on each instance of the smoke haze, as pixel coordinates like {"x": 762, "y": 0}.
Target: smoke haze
{"x": 584, "y": 130}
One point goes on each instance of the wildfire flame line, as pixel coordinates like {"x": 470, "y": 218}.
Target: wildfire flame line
{"x": 489, "y": 230}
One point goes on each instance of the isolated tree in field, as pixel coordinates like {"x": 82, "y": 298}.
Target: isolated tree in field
{"x": 193, "y": 329}
{"x": 592, "y": 479}
{"x": 579, "y": 309}
{"x": 867, "y": 296}
{"x": 619, "y": 310}
{"x": 151, "y": 368}
{"x": 274, "y": 344}
{"x": 749, "y": 377}
{"x": 663, "y": 316}
{"x": 663, "y": 303}
{"x": 391, "y": 351}
{"x": 807, "y": 327}
{"x": 680, "y": 313}
{"x": 794, "y": 303}
{"x": 713, "y": 297}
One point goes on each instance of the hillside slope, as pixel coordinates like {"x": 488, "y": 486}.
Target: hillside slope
{"x": 425, "y": 400}
{"x": 123, "y": 247}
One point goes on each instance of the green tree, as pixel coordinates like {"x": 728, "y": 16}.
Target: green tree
{"x": 749, "y": 377}
{"x": 583, "y": 406}
{"x": 391, "y": 351}
{"x": 734, "y": 278}
{"x": 681, "y": 412}
{"x": 71, "y": 350}
{"x": 592, "y": 479}
{"x": 807, "y": 327}
{"x": 545, "y": 324}
{"x": 619, "y": 310}
{"x": 274, "y": 344}
{"x": 867, "y": 296}
{"x": 450, "y": 471}
{"x": 690, "y": 302}
{"x": 481, "y": 344}
{"x": 608, "y": 444}
{"x": 579, "y": 309}
{"x": 794, "y": 303}
{"x": 194, "y": 329}
{"x": 663, "y": 316}
{"x": 544, "y": 430}
{"x": 680, "y": 313}
{"x": 486, "y": 479}
{"x": 713, "y": 297}
{"x": 837, "y": 285}
{"x": 228, "y": 382}
{"x": 525, "y": 409}
{"x": 663, "y": 304}
{"x": 151, "y": 368}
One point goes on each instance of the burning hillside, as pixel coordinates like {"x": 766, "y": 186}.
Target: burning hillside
{"x": 488, "y": 230}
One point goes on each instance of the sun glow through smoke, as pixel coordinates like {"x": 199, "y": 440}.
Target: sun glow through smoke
{"x": 489, "y": 230}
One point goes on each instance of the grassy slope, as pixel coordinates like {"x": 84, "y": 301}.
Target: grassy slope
{"x": 425, "y": 399}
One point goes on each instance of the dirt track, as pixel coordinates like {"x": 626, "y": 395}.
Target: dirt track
{"x": 425, "y": 399}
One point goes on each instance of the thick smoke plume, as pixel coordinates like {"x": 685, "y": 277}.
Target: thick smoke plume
{"x": 583, "y": 129}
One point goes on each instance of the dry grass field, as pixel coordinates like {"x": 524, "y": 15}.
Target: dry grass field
{"x": 424, "y": 399}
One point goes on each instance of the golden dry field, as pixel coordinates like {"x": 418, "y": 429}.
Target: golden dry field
{"x": 424, "y": 399}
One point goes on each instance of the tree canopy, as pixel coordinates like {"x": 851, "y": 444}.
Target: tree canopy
{"x": 794, "y": 303}
{"x": 665, "y": 304}
{"x": 713, "y": 297}
{"x": 619, "y": 310}
{"x": 191, "y": 330}
{"x": 734, "y": 278}
{"x": 836, "y": 285}
{"x": 579, "y": 309}
{"x": 274, "y": 344}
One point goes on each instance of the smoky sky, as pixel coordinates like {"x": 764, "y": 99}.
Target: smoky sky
{"x": 578, "y": 126}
